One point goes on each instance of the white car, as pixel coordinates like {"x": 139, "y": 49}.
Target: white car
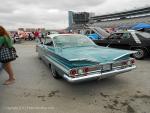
{"x": 17, "y": 39}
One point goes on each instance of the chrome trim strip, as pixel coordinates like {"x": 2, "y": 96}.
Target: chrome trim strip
{"x": 124, "y": 55}
{"x": 98, "y": 75}
{"x": 56, "y": 64}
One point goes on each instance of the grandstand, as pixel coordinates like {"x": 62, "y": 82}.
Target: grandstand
{"x": 127, "y": 18}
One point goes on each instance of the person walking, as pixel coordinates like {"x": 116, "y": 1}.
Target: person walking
{"x": 5, "y": 40}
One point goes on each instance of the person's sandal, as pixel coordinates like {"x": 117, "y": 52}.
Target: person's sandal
{"x": 8, "y": 82}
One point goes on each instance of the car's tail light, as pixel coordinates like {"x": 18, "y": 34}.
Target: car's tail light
{"x": 86, "y": 69}
{"x": 133, "y": 61}
{"x": 83, "y": 71}
{"x": 73, "y": 72}
{"x": 128, "y": 63}
{"x": 124, "y": 62}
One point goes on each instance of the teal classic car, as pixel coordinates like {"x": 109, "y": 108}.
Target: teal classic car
{"x": 77, "y": 58}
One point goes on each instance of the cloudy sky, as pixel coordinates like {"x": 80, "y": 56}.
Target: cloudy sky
{"x": 53, "y": 14}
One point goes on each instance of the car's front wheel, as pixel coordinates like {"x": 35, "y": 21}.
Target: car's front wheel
{"x": 54, "y": 72}
{"x": 140, "y": 54}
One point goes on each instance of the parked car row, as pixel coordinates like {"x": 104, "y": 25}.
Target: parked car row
{"x": 130, "y": 40}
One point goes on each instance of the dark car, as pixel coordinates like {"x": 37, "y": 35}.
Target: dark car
{"x": 131, "y": 40}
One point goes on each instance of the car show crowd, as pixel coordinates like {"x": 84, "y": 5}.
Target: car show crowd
{"x": 18, "y": 36}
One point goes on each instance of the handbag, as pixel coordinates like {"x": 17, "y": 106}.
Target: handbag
{"x": 7, "y": 54}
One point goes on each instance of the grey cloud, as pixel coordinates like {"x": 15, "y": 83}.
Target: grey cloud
{"x": 32, "y": 12}
{"x": 63, "y": 5}
{"x": 34, "y": 19}
{"x": 53, "y": 14}
{"x": 7, "y": 7}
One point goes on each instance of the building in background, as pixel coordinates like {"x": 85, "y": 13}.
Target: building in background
{"x": 78, "y": 20}
{"x": 70, "y": 19}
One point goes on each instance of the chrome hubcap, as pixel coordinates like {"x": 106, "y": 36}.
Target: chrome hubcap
{"x": 139, "y": 54}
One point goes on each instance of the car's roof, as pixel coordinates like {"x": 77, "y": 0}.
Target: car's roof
{"x": 54, "y": 35}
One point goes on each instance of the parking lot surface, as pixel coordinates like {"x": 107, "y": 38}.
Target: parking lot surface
{"x": 36, "y": 91}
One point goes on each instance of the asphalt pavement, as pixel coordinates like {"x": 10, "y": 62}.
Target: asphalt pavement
{"x": 36, "y": 91}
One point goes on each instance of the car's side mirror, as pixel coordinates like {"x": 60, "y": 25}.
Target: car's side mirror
{"x": 49, "y": 44}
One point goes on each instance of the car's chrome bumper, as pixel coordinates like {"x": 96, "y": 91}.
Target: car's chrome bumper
{"x": 98, "y": 75}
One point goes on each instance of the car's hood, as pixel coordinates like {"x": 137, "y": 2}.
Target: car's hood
{"x": 93, "y": 53}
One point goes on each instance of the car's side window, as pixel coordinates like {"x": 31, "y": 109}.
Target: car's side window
{"x": 112, "y": 36}
{"x": 116, "y": 36}
{"x": 87, "y": 32}
{"x": 126, "y": 36}
{"x": 119, "y": 36}
{"x": 92, "y": 32}
{"x": 48, "y": 42}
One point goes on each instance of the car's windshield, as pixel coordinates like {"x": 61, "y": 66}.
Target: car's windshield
{"x": 72, "y": 41}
